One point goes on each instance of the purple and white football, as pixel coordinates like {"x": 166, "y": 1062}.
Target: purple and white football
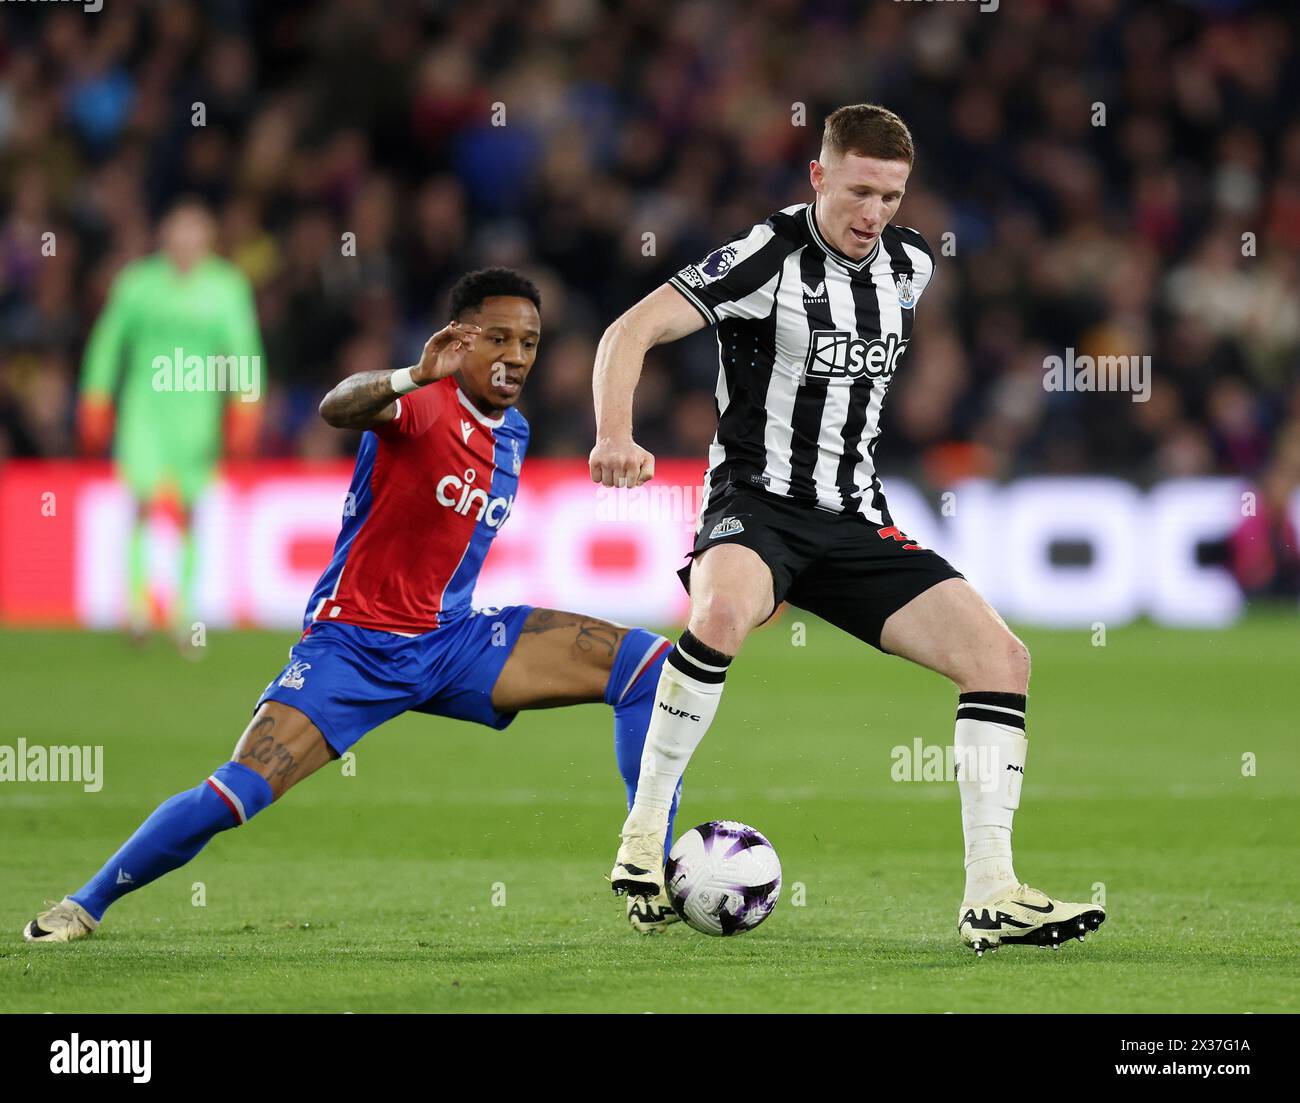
{"x": 723, "y": 877}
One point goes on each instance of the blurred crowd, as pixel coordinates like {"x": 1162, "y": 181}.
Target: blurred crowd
{"x": 1094, "y": 175}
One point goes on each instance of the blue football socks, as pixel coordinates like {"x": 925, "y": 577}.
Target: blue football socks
{"x": 176, "y": 831}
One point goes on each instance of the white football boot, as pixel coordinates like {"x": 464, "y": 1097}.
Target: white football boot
{"x": 1025, "y": 917}
{"x": 65, "y": 921}
{"x": 639, "y": 868}
{"x": 651, "y": 914}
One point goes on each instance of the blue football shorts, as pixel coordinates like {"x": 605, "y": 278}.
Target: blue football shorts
{"x": 348, "y": 680}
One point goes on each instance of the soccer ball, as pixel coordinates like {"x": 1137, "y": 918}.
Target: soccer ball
{"x": 723, "y": 877}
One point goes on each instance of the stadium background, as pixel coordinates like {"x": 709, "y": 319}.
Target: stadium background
{"x": 680, "y": 122}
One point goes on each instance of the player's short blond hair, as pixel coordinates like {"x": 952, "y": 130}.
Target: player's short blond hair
{"x": 868, "y": 130}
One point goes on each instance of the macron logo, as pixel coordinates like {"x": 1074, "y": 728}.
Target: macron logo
{"x": 465, "y": 429}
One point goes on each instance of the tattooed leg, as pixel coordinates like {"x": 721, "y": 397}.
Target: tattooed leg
{"x": 559, "y": 659}
{"x": 282, "y": 745}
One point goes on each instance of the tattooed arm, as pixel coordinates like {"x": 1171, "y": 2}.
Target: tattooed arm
{"x": 361, "y": 400}
{"x": 367, "y": 398}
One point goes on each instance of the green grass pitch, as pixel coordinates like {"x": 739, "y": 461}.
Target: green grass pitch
{"x": 384, "y": 890}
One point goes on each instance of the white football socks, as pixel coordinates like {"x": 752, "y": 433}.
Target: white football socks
{"x": 990, "y": 748}
{"x": 686, "y": 700}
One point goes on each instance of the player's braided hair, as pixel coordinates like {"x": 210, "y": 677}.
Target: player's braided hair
{"x": 473, "y": 287}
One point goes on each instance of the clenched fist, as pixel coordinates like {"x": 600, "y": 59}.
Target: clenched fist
{"x": 620, "y": 463}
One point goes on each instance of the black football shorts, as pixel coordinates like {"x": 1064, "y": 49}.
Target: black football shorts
{"x": 840, "y": 567}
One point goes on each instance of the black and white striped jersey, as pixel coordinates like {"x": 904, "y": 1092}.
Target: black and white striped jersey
{"x": 808, "y": 342}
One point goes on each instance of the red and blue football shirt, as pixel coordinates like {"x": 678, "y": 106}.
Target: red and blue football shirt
{"x": 429, "y": 491}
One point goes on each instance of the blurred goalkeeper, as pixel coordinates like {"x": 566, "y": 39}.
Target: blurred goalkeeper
{"x": 176, "y": 349}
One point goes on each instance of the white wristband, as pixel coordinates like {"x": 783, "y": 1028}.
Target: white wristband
{"x": 401, "y": 381}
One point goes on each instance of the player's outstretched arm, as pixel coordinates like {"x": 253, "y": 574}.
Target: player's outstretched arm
{"x": 369, "y": 397}
{"x": 662, "y": 316}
